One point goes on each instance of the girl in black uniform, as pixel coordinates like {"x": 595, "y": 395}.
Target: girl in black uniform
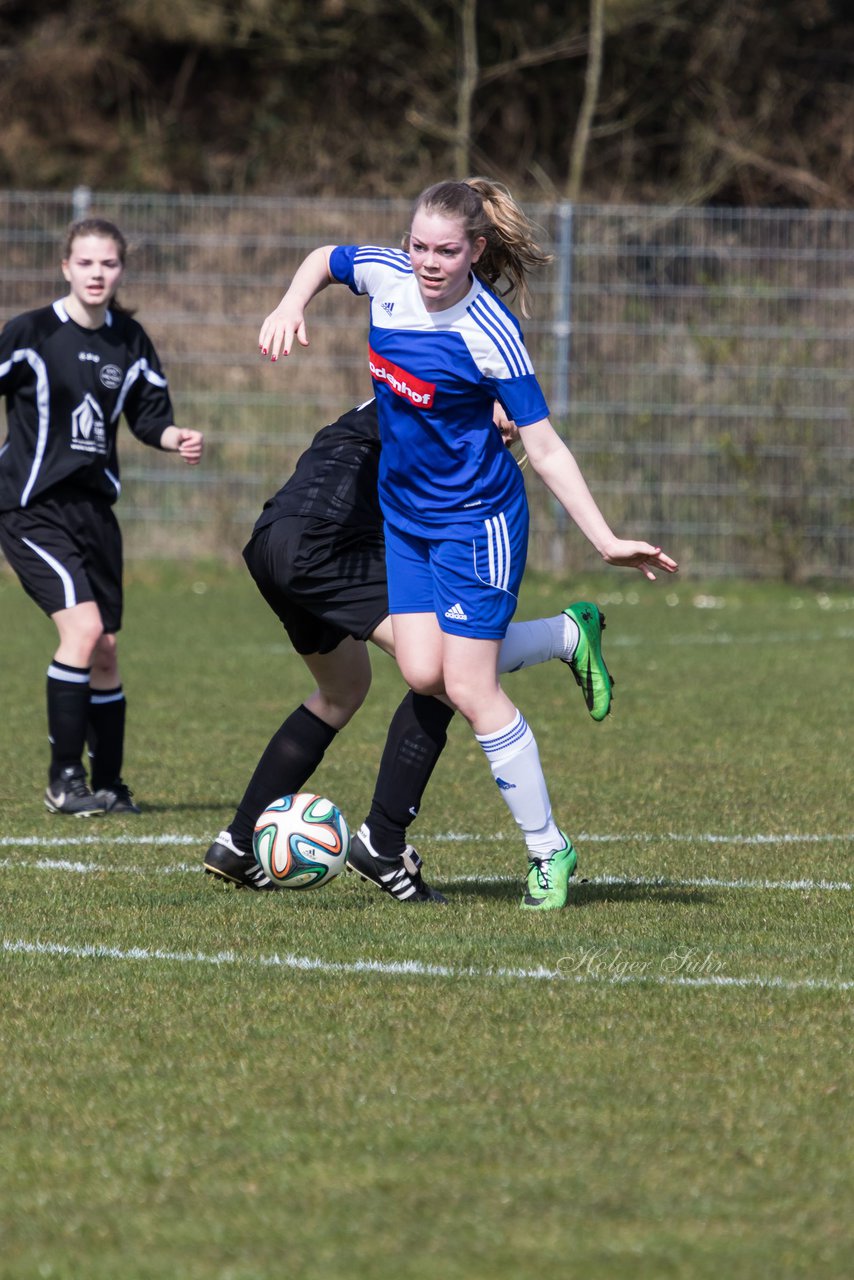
{"x": 68, "y": 372}
{"x": 317, "y": 555}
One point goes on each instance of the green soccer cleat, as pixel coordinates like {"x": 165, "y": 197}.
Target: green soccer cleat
{"x": 587, "y": 664}
{"x": 548, "y": 879}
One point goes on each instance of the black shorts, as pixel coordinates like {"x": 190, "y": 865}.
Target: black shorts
{"x": 322, "y": 581}
{"x": 67, "y": 550}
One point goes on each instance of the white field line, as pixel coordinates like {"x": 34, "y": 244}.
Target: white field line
{"x": 730, "y": 637}
{"x": 449, "y": 837}
{"x": 622, "y": 640}
{"x": 414, "y": 968}
{"x": 666, "y": 882}
{"x": 635, "y": 882}
{"x": 699, "y": 882}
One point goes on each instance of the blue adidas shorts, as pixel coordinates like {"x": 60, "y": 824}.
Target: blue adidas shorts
{"x": 470, "y": 584}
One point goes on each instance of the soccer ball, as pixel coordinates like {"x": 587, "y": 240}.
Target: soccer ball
{"x": 301, "y": 841}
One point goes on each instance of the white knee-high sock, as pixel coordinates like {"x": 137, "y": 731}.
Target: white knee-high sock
{"x": 528, "y": 643}
{"x": 515, "y": 762}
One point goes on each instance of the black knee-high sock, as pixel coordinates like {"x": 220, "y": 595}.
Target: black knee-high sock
{"x": 67, "y": 712}
{"x": 415, "y": 740}
{"x": 290, "y": 758}
{"x": 105, "y": 735}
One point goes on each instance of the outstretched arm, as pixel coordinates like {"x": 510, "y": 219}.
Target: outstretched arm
{"x": 288, "y": 320}
{"x": 557, "y": 468}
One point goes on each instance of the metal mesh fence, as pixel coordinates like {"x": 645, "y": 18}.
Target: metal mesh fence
{"x": 698, "y": 361}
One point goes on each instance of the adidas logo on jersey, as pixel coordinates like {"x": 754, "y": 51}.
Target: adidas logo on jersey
{"x": 387, "y": 307}
{"x": 456, "y": 613}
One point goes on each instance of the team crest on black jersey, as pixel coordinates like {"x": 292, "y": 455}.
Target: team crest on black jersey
{"x": 88, "y": 432}
{"x": 111, "y": 376}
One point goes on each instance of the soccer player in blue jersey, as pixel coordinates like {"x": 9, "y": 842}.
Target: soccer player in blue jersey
{"x": 69, "y": 371}
{"x": 317, "y": 555}
{"x": 443, "y": 348}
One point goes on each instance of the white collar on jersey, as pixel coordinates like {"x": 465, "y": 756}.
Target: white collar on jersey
{"x": 449, "y": 315}
{"x": 62, "y": 312}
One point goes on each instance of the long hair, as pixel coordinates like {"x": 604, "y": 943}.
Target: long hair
{"x": 105, "y": 231}
{"x": 487, "y": 209}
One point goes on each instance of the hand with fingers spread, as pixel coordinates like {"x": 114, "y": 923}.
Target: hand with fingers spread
{"x": 639, "y": 555}
{"x": 287, "y": 322}
{"x": 279, "y": 330}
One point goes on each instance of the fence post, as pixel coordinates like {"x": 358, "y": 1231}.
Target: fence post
{"x": 562, "y": 324}
{"x": 81, "y": 202}
{"x": 559, "y": 400}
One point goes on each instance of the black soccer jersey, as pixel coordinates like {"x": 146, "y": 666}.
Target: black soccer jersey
{"x": 335, "y": 480}
{"x": 66, "y": 388}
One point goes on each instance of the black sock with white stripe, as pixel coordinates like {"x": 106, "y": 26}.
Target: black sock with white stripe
{"x": 67, "y": 714}
{"x": 290, "y": 758}
{"x": 415, "y": 740}
{"x": 105, "y": 735}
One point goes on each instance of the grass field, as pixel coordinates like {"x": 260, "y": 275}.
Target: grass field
{"x": 200, "y": 1083}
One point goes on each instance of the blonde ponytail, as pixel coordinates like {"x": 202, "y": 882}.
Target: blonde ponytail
{"x": 487, "y": 209}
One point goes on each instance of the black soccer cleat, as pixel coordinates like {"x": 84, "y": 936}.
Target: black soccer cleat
{"x": 225, "y": 861}
{"x": 399, "y": 877}
{"x": 70, "y": 793}
{"x": 117, "y": 798}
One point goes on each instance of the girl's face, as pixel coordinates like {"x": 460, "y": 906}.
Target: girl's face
{"x": 93, "y": 270}
{"x": 442, "y": 256}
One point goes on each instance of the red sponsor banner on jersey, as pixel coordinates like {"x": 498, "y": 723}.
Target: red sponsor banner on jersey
{"x": 402, "y": 383}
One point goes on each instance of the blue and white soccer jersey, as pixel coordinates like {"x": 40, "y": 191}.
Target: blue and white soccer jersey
{"x": 437, "y": 375}
{"x": 445, "y": 473}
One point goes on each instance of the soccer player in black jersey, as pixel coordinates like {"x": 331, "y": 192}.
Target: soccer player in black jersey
{"x": 317, "y": 555}
{"x": 69, "y": 371}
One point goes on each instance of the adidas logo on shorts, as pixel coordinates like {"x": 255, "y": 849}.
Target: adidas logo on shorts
{"x": 456, "y": 613}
